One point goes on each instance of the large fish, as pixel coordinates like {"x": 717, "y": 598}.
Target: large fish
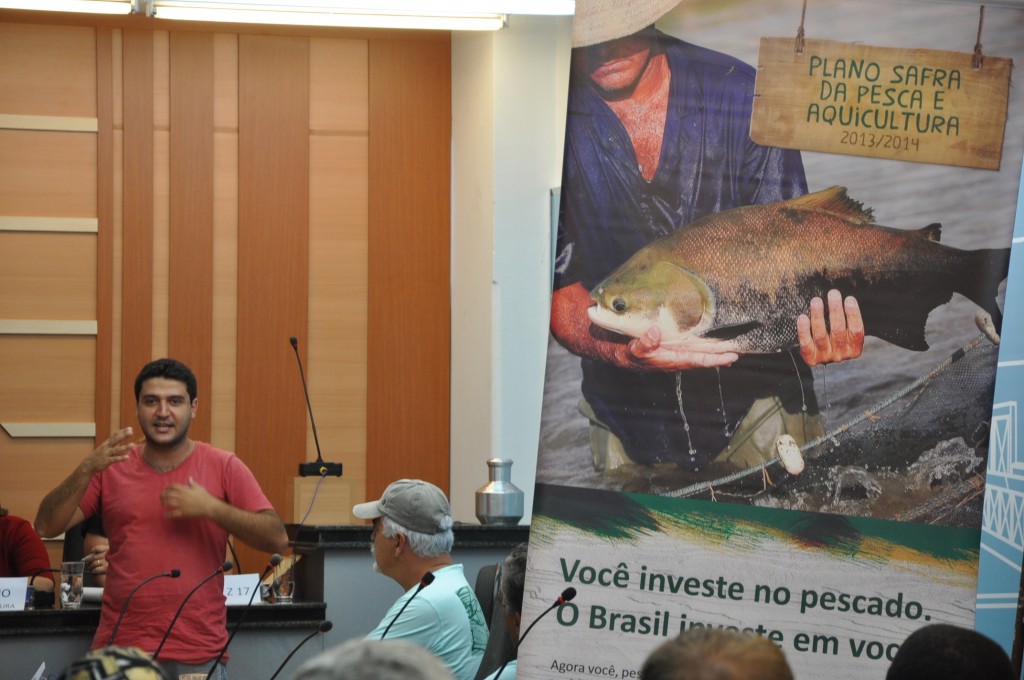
{"x": 735, "y": 281}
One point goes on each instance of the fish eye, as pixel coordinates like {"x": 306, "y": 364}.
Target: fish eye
{"x": 619, "y": 304}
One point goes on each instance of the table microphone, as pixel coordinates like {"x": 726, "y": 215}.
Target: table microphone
{"x": 173, "y": 573}
{"x": 37, "y": 572}
{"x": 274, "y": 560}
{"x": 567, "y": 595}
{"x": 427, "y": 579}
{"x": 220, "y": 570}
{"x": 324, "y": 627}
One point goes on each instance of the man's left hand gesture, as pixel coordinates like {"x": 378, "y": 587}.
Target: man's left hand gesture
{"x": 187, "y": 500}
{"x": 845, "y": 340}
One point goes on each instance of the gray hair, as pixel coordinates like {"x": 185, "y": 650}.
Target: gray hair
{"x": 423, "y": 545}
{"x": 374, "y": 660}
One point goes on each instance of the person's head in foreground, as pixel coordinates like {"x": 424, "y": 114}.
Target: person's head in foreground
{"x": 374, "y": 660}
{"x": 115, "y": 663}
{"x": 943, "y": 652}
{"x": 715, "y": 654}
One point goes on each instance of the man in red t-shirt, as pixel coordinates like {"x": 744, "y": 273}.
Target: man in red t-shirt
{"x": 167, "y": 503}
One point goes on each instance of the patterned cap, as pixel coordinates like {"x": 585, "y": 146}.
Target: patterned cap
{"x": 115, "y": 663}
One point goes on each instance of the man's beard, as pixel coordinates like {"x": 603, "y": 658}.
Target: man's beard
{"x": 376, "y": 567}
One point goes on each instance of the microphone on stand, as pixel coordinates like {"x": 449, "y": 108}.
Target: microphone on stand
{"x": 37, "y": 572}
{"x": 173, "y": 573}
{"x": 324, "y": 627}
{"x": 318, "y": 468}
{"x": 427, "y": 579}
{"x": 220, "y": 570}
{"x": 567, "y": 595}
{"x": 275, "y": 560}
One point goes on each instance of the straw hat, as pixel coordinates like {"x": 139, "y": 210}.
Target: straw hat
{"x": 598, "y": 21}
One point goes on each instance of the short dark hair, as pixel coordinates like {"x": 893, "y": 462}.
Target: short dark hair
{"x": 716, "y": 654}
{"x": 172, "y": 369}
{"x": 513, "y": 578}
{"x": 940, "y": 651}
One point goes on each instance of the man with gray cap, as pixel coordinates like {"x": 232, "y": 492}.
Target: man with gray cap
{"x": 411, "y": 543}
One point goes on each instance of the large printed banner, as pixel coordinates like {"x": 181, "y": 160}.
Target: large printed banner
{"x": 696, "y": 468}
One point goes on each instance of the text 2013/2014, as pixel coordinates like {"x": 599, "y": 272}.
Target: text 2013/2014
{"x": 880, "y": 141}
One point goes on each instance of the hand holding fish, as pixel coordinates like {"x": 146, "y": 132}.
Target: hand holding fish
{"x": 842, "y": 339}
{"x": 647, "y": 352}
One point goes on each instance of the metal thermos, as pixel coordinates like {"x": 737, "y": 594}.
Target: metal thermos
{"x": 500, "y": 501}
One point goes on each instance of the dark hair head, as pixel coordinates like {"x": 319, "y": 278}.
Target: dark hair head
{"x": 716, "y": 654}
{"x": 172, "y": 369}
{"x": 513, "y": 578}
{"x": 943, "y": 652}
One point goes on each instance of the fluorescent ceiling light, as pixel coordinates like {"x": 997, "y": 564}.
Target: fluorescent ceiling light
{"x": 86, "y": 6}
{"x": 397, "y": 14}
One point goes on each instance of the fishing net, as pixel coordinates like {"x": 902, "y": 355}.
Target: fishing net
{"x": 918, "y": 455}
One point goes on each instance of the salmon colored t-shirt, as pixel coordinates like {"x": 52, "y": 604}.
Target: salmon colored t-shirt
{"x": 143, "y": 543}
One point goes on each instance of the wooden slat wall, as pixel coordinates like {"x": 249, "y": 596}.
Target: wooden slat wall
{"x": 105, "y": 234}
{"x": 273, "y": 253}
{"x": 409, "y": 252}
{"x": 247, "y": 188}
{"x": 137, "y": 236}
{"x": 190, "y": 280}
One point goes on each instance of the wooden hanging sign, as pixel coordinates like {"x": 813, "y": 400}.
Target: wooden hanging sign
{"x": 925, "y": 106}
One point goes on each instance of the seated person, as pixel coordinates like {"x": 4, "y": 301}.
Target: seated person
{"x": 943, "y": 652}
{"x": 22, "y": 552}
{"x": 95, "y": 547}
{"x": 510, "y": 595}
{"x": 115, "y": 663}
{"x": 716, "y": 654}
{"x": 412, "y": 536}
{"x": 374, "y": 660}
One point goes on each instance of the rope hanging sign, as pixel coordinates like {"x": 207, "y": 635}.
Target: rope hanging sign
{"x": 909, "y": 104}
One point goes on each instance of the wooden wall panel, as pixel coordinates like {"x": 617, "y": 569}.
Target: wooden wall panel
{"x": 137, "y": 236}
{"x": 190, "y": 294}
{"x": 34, "y": 163}
{"x": 231, "y": 176}
{"x": 409, "y": 244}
{"x": 225, "y": 235}
{"x": 62, "y": 289}
{"x": 53, "y": 378}
{"x": 273, "y": 258}
{"x": 38, "y": 80}
{"x": 104, "y": 236}
{"x": 338, "y": 272}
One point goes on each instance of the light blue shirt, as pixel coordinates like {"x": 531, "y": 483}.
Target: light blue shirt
{"x": 445, "y": 618}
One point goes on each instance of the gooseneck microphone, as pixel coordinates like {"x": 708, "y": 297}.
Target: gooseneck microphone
{"x": 274, "y": 560}
{"x": 567, "y": 595}
{"x": 427, "y": 579}
{"x": 324, "y": 627}
{"x": 309, "y": 406}
{"x": 220, "y": 570}
{"x": 173, "y": 573}
{"x": 37, "y": 572}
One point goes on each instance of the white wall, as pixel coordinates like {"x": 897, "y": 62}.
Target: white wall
{"x": 506, "y": 157}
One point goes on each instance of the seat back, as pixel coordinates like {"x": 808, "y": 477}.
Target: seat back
{"x": 499, "y": 647}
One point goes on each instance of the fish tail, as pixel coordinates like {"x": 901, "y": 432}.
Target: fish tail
{"x": 988, "y": 268}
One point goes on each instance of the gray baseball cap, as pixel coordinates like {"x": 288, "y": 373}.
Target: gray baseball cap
{"x": 414, "y": 504}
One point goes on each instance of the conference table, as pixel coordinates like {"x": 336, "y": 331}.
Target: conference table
{"x": 334, "y": 581}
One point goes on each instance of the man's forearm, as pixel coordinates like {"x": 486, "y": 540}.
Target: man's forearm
{"x": 58, "y": 507}
{"x": 261, "y": 530}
